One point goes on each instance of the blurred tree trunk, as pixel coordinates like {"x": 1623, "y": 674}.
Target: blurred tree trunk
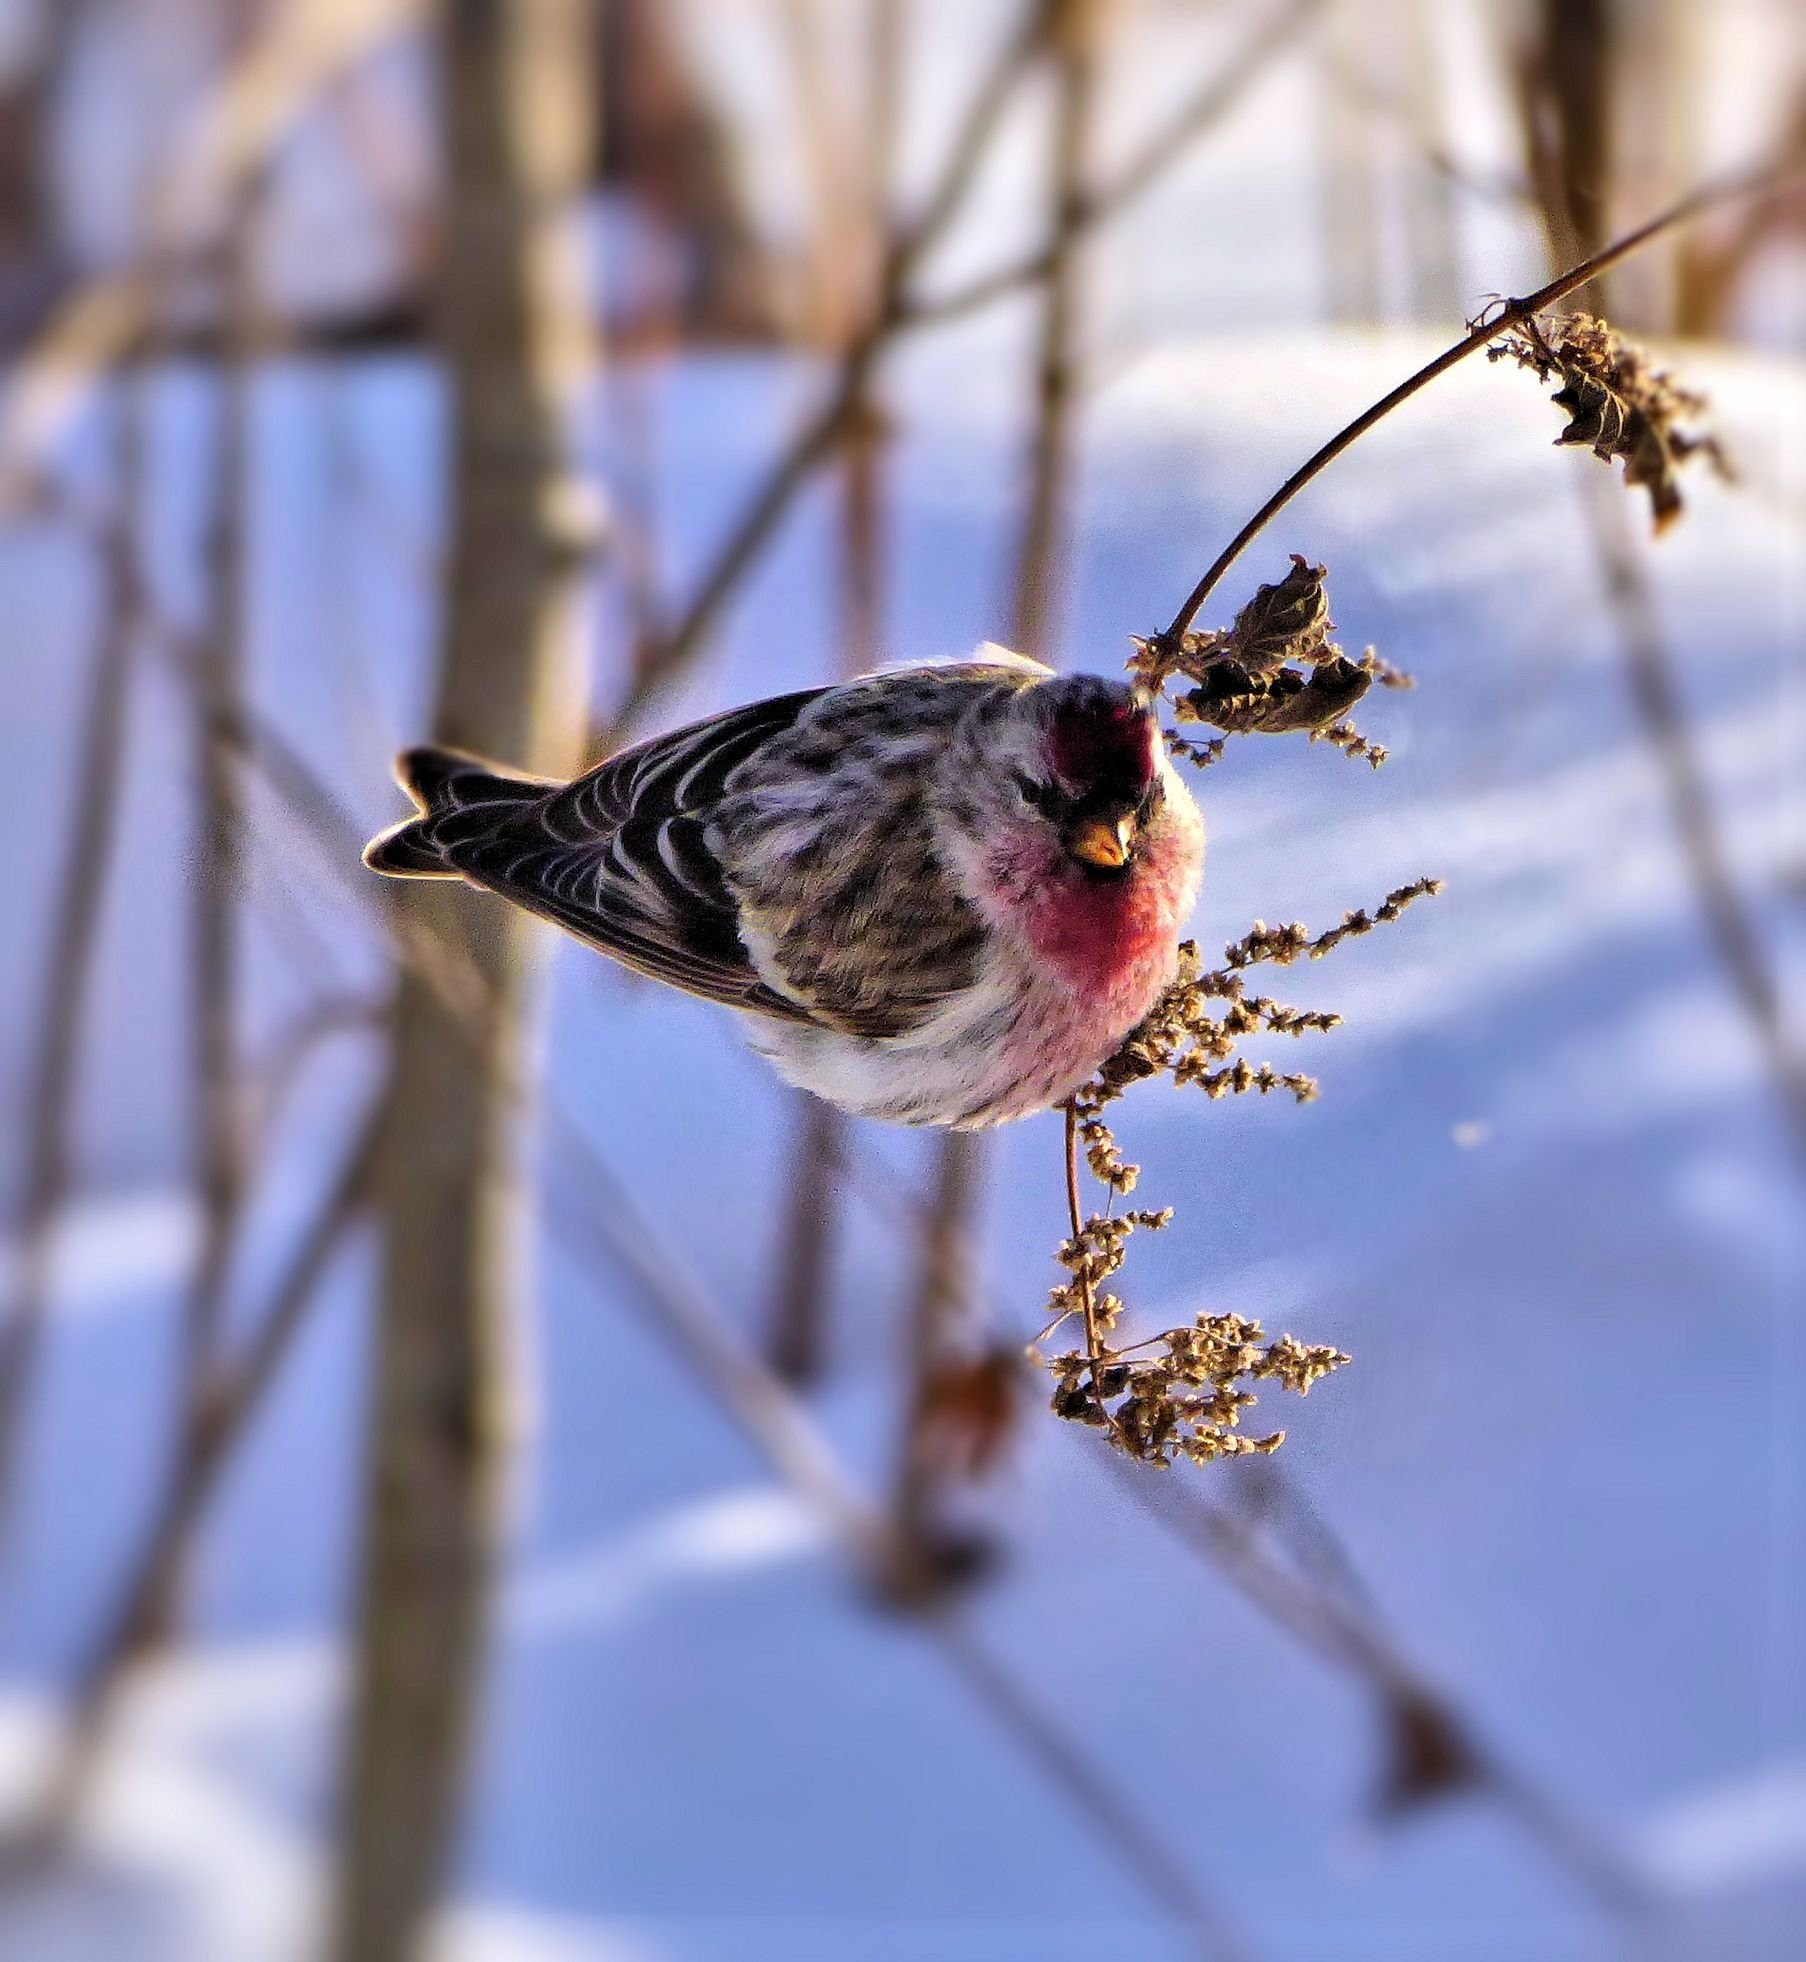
{"x": 1565, "y": 71}
{"x": 32, "y": 267}
{"x": 1348, "y": 168}
{"x": 663, "y": 143}
{"x": 852, "y": 189}
{"x": 933, "y": 1551}
{"x": 515, "y": 96}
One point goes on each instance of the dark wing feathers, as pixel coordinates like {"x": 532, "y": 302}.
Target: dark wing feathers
{"x": 618, "y": 857}
{"x": 572, "y": 887}
{"x": 621, "y": 857}
{"x": 684, "y": 771}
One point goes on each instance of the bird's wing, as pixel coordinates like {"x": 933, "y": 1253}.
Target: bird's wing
{"x": 623, "y": 858}
{"x": 619, "y": 859}
{"x": 855, "y": 911}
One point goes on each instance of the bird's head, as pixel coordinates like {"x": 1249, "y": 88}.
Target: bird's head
{"x": 1082, "y": 770}
{"x": 1061, "y": 815}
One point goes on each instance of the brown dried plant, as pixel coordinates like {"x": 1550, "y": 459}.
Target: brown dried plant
{"x": 1619, "y": 404}
{"x": 1275, "y": 671}
{"x": 1182, "y": 1392}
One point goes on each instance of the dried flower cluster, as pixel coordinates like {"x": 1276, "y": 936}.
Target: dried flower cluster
{"x": 1182, "y": 1393}
{"x": 1619, "y": 404}
{"x": 1183, "y": 1399}
{"x": 1274, "y": 672}
{"x": 1179, "y": 1393}
{"x": 1175, "y": 1394}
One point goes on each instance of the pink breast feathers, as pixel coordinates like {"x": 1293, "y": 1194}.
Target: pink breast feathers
{"x": 1113, "y": 942}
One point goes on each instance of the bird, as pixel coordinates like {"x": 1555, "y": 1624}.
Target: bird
{"x": 938, "y": 895}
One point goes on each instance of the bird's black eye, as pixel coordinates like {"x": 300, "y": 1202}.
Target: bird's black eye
{"x": 1033, "y": 793}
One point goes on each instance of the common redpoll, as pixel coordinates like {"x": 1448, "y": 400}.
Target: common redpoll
{"x": 940, "y": 895}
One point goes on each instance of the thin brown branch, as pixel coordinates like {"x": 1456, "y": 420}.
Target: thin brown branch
{"x": 1041, "y": 549}
{"x": 1075, "y": 1219}
{"x": 1655, "y": 690}
{"x": 236, "y": 1392}
{"x": 1201, "y": 113}
{"x": 1335, "y": 1627}
{"x": 1708, "y": 197}
{"x": 819, "y": 110}
{"x": 820, "y": 435}
{"x": 799, "y": 1295}
{"x": 78, "y": 899}
{"x": 939, "y": 1297}
{"x": 219, "y": 664}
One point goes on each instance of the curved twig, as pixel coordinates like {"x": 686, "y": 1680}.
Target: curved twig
{"x": 1706, "y": 198}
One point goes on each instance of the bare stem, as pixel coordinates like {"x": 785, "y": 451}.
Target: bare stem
{"x": 1657, "y": 697}
{"x": 1094, "y": 1341}
{"x": 220, "y": 1156}
{"x": 1193, "y": 119}
{"x": 72, "y": 949}
{"x": 903, "y": 311}
{"x": 1707, "y": 198}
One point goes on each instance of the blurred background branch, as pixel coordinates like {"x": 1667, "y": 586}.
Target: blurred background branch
{"x": 517, "y": 113}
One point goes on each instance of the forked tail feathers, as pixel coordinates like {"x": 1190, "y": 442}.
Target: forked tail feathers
{"x": 442, "y": 783}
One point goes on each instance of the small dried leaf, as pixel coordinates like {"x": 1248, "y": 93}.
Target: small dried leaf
{"x": 1240, "y": 702}
{"x": 1287, "y": 622}
{"x": 1618, "y": 403}
{"x": 1428, "y": 1755}
{"x": 967, "y": 1410}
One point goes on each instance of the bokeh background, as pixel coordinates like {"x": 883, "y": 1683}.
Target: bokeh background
{"x": 485, "y": 1472}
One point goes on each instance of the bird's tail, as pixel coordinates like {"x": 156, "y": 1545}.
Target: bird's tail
{"x": 443, "y": 783}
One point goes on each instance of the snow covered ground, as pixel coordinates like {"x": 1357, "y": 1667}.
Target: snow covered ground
{"x": 1547, "y": 1200}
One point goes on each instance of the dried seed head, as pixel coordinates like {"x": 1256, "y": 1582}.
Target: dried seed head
{"x": 1275, "y": 672}
{"x": 1181, "y": 1393}
{"x": 1287, "y": 622}
{"x": 1619, "y": 404}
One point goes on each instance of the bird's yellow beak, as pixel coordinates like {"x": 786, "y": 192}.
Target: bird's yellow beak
{"x": 1103, "y": 843}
